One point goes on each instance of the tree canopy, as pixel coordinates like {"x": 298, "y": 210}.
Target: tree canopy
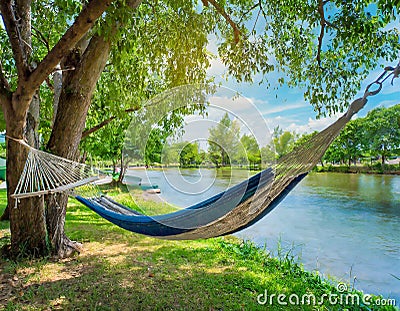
{"x": 375, "y": 136}
{"x": 224, "y": 141}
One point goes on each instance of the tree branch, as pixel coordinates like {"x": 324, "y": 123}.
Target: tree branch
{"x": 263, "y": 11}
{"x": 99, "y": 126}
{"x": 323, "y": 23}
{"x": 249, "y": 10}
{"x": 221, "y": 10}
{"x": 102, "y": 124}
{"x": 3, "y": 80}
{"x": 41, "y": 38}
{"x": 82, "y": 24}
{"x": 5, "y": 89}
{"x": 5, "y": 97}
{"x": 49, "y": 84}
{"x": 15, "y": 38}
{"x": 322, "y": 31}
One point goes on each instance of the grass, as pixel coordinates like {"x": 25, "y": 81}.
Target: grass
{"x": 119, "y": 270}
{"x": 3, "y": 202}
{"x": 140, "y": 203}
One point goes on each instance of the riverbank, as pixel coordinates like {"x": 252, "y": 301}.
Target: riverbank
{"x": 119, "y": 270}
{"x": 360, "y": 169}
{"x": 377, "y": 168}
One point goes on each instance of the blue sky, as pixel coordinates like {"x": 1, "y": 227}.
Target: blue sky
{"x": 260, "y": 109}
{"x": 286, "y": 106}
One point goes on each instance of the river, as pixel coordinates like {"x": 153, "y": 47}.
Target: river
{"x": 345, "y": 226}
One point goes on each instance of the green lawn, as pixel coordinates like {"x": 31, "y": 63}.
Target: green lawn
{"x": 119, "y": 270}
{"x": 3, "y": 203}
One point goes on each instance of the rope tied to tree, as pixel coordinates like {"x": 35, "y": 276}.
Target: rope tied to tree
{"x": 359, "y": 103}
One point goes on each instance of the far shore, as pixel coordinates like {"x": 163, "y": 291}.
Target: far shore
{"x": 358, "y": 169}
{"x": 377, "y": 169}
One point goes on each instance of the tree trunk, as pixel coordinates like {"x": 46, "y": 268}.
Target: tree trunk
{"x": 383, "y": 156}
{"x": 57, "y": 81}
{"x": 27, "y": 225}
{"x": 32, "y": 123}
{"x": 114, "y": 167}
{"x": 71, "y": 115}
{"x": 27, "y": 221}
{"x": 124, "y": 167}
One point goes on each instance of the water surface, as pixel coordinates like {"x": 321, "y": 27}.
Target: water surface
{"x": 346, "y": 226}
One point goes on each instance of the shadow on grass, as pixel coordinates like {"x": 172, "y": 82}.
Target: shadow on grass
{"x": 139, "y": 273}
{"x": 120, "y": 270}
{"x": 136, "y": 278}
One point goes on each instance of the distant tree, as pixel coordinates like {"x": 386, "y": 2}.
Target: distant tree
{"x": 108, "y": 144}
{"x": 223, "y": 141}
{"x": 170, "y": 154}
{"x": 352, "y": 139}
{"x": 154, "y": 146}
{"x": 190, "y": 155}
{"x": 283, "y": 141}
{"x": 335, "y": 153}
{"x": 250, "y": 152}
{"x": 382, "y": 129}
{"x": 268, "y": 155}
{"x": 376, "y": 135}
{"x": 348, "y": 146}
{"x": 214, "y": 154}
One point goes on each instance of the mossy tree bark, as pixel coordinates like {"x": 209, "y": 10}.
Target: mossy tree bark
{"x": 27, "y": 222}
{"x": 73, "y": 105}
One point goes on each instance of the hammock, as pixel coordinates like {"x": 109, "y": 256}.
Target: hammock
{"x": 225, "y": 213}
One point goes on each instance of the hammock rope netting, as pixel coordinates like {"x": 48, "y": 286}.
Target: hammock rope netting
{"x": 227, "y": 212}
{"x": 45, "y": 173}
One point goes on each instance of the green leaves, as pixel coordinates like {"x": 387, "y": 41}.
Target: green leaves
{"x": 376, "y": 135}
{"x": 224, "y": 141}
{"x": 2, "y": 122}
{"x": 189, "y": 155}
{"x": 383, "y": 131}
{"x": 355, "y": 39}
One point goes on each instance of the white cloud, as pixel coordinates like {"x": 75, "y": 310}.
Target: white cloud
{"x": 217, "y": 68}
{"x": 238, "y": 107}
{"x": 258, "y": 102}
{"x": 389, "y": 103}
{"x": 312, "y": 125}
{"x": 391, "y": 89}
{"x": 276, "y": 109}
